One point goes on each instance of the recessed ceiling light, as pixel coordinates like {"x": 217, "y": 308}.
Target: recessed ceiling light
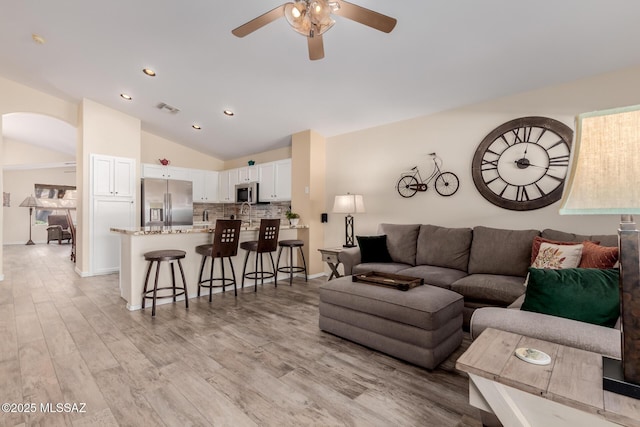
{"x": 196, "y": 127}
{"x": 228, "y": 113}
{"x": 38, "y": 39}
{"x": 149, "y": 72}
{"x": 125, "y": 96}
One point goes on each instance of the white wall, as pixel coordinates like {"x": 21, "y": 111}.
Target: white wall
{"x": 17, "y": 154}
{"x": 369, "y": 162}
{"x": 153, "y": 147}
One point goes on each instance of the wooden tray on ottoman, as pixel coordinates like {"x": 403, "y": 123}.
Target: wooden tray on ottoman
{"x": 388, "y": 280}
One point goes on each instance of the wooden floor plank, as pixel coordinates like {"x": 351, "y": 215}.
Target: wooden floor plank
{"x": 255, "y": 359}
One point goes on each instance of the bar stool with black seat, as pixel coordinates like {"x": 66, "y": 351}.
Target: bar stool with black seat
{"x": 267, "y": 243}
{"x": 292, "y": 244}
{"x": 169, "y": 255}
{"x": 226, "y": 237}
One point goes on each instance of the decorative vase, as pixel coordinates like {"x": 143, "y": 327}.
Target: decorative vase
{"x": 294, "y": 221}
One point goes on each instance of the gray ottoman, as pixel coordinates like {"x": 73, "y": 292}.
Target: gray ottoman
{"x": 422, "y": 325}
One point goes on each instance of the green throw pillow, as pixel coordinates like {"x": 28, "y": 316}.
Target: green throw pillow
{"x": 373, "y": 248}
{"x": 587, "y": 294}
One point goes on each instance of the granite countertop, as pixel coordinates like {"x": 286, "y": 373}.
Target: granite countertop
{"x": 188, "y": 229}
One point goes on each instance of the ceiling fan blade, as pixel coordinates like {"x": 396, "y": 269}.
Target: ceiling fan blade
{"x": 316, "y": 47}
{"x": 365, "y": 16}
{"x": 259, "y": 22}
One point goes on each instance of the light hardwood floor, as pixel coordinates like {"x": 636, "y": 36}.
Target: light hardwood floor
{"x": 255, "y": 360}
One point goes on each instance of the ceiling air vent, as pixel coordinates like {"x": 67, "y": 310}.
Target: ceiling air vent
{"x": 166, "y": 107}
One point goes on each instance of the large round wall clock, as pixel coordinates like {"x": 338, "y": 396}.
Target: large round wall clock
{"x": 522, "y": 164}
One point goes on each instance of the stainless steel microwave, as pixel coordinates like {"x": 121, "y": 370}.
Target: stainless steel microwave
{"x": 248, "y": 192}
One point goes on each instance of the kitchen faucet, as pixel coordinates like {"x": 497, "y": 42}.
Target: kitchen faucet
{"x": 243, "y": 212}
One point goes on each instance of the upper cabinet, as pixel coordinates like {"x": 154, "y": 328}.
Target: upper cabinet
{"x": 248, "y": 174}
{"x": 220, "y": 187}
{"x": 275, "y": 181}
{"x": 205, "y": 186}
{"x": 227, "y": 181}
{"x": 113, "y": 176}
{"x": 165, "y": 172}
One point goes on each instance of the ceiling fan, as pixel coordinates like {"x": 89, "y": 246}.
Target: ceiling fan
{"x": 312, "y": 18}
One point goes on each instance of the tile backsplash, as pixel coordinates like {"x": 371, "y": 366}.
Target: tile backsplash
{"x": 226, "y": 210}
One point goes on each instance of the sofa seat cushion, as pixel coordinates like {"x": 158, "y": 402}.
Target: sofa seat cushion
{"x": 572, "y": 333}
{"x": 490, "y": 288}
{"x": 402, "y": 241}
{"x": 436, "y": 276}
{"x": 500, "y": 251}
{"x": 382, "y": 267}
{"x": 426, "y": 307}
{"x": 444, "y": 247}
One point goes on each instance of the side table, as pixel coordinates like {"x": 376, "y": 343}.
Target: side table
{"x": 330, "y": 256}
{"x": 566, "y": 392}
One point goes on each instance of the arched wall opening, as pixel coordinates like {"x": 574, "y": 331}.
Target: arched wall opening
{"x": 36, "y": 149}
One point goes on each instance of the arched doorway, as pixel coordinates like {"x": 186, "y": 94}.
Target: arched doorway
{"x": 37, "y": 150}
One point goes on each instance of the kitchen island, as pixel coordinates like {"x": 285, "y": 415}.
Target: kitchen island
{"x": 136, "y": 241}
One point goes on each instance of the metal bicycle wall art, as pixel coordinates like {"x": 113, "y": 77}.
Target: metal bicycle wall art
{"x": 411, "y": 182}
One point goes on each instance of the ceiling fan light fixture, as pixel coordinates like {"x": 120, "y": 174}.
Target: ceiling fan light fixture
{"x": 320, "y": 12}
{"x": 297, "y": 17}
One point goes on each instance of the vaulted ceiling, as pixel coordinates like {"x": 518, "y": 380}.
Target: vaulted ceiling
{"x": 442, "y": 54}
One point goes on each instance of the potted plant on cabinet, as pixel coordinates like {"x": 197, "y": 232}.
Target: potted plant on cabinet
{"x": 292, "y": 217}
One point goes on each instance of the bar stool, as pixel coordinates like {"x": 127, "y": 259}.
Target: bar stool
{"x": 170, "y": 255}
{"x": 267, "y": 243}
{"x": 291, "y": 244}
{"x": 226, "y": 237}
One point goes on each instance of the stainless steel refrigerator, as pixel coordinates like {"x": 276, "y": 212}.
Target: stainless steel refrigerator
{"x": 167, "y": 202}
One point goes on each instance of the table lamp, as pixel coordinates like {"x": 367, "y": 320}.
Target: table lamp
{"x": 30, "y": 202}
{"x": 604, "y": 178}
{"x": 349, "y": 204}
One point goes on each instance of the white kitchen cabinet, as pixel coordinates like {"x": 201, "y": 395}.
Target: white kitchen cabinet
{"x": 227, "y": 181}
{"x": 113, "y": 176}
{"x": 248, "y": 174}
{"x": 275, "y": 181}
{"x": 150, "y": 170}
{"x": 154, "y": 171}
{"x": 183, "y": 174}
{"x": 112, "y": 204}
{"x": 205, "y": 186}
{"x": 108, "y": 212}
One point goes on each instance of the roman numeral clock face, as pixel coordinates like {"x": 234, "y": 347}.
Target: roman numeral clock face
{"x": 522, "y": 164}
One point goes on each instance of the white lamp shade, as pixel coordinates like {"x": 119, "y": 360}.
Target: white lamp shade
{"x": 31, "y": 202}
{"x": 349, "y": 204}
{"x": 604, "y": 174}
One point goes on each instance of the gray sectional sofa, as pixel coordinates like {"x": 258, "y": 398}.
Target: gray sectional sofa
{"x": 487, "y": 266}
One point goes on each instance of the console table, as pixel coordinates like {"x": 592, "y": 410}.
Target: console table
{"x": 330, "y": 256}
{"x": 567, "y": 392}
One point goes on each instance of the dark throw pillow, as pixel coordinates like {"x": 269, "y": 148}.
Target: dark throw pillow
{"x": 373, "y": 248}
{"x": 587, "y": 294}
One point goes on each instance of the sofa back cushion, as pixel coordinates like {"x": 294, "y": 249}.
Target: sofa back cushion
{"x": 402, "y": 240}
{"x": 500, "y": 251}
{"x": 604, "y": 239}
{"x": 444, "y": 247}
